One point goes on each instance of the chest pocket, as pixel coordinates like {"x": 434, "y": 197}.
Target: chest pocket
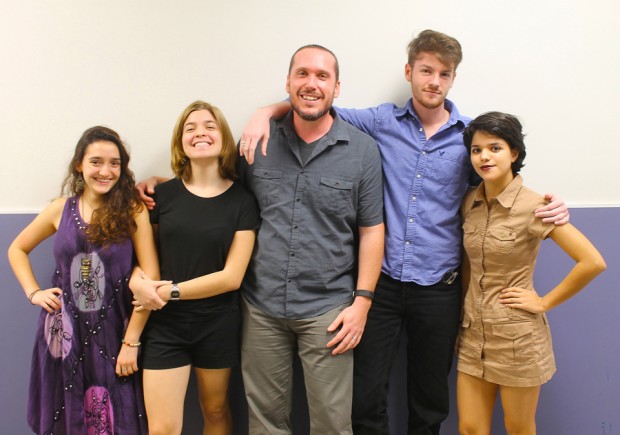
{"x": 502, "y": 239}
{"x": 267, "y": 184}
{"x": 335, "y": 195}
{"x": 448, "y": 168}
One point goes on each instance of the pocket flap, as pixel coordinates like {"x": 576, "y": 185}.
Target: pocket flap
{"x": 469, "y": 228}
{"x": 512, "y": 331}
{"x": 337, "y": 184}
{"x": 268, "y": 174}
{"x": 503, "y": 233}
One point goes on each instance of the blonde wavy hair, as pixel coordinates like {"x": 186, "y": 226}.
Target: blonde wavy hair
{"x": 228, "y": 156}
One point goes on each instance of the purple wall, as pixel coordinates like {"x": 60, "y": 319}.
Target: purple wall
{"x": 582, "y": 398}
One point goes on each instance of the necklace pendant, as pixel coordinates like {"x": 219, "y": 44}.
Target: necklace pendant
{"x": 85, "y": 268}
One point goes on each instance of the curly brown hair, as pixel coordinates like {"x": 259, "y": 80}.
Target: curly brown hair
{"x": 113, "y": 221}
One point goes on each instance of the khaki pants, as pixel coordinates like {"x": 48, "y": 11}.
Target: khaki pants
{"x": 267, "y": 351}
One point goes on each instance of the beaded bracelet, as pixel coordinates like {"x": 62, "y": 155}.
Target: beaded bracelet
{"x": 126, "y": 343}
{"x": 32, "y": 294}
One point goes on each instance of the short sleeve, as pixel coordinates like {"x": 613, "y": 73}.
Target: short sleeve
{"x": 536, "y": 226}
{"x": 154, "y": 214}
{"x": 249, "y": 217}
{"x": 370, "y": 209}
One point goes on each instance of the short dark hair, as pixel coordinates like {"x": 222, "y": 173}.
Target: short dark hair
{"x": 502, "y": 125}
{"x": 446, "y": 48}
{"x": 319, "y": 47}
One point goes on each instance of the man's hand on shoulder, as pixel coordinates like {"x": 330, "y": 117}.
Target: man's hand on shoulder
{"x": 146, "y": 188}
{"x": 555, "y": 212}
{"x": 255, "y": 131}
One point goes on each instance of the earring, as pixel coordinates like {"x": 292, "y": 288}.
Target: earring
{"x": 79, "y": 182}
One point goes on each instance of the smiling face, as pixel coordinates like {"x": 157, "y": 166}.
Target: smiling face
{"x": 430, "y": 80}
{"x": 492, "y": 159}
{"x": 312, "y": 83}
{"x": 201, "y": 137}
{"x": 100, "y": 167}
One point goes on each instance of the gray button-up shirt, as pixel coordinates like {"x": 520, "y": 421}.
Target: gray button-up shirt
{"x": 304, "y": 261}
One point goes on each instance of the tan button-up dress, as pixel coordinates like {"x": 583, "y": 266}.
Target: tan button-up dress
{"x": 502, "y": 345}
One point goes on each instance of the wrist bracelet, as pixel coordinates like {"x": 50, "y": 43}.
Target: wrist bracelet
{"x": 32, "y": 294}
{"x": 365, "y": 293}
{"x": 126, "y": 343}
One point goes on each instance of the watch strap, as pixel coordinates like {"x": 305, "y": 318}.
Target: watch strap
{"x": 365, "y": 293}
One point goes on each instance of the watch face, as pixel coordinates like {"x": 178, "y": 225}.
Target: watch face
{"x": 175, "y": 294}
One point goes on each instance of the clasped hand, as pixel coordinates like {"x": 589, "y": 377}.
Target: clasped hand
{"x": 145, "y": 292}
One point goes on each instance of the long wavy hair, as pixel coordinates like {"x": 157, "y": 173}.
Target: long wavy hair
{"x": 113, "y": 221}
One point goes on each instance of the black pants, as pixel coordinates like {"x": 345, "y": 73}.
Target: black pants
{"x": 430, "y": 316}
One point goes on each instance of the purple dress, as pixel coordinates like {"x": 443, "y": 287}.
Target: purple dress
{"x": 73, "y": 386}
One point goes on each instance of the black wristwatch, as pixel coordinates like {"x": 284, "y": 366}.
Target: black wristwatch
{"x": 366, "y": 293}
{"x": 175, "y": 293}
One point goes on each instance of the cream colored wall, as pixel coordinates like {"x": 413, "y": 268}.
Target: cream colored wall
{"x": 134, "y": 65}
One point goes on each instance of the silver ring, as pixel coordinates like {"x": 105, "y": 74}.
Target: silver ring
{"x": 242, "y": 142}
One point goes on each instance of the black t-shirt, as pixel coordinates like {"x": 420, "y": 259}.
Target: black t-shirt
{"x": 194, "y": 236}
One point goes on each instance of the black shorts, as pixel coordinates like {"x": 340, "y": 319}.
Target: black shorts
{"x": 210, "y": 342}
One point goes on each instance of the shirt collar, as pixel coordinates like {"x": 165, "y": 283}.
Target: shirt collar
{"x": 455, "y": 115}
{"x": 507, "y": 197}
{"x": 338, "y": 132}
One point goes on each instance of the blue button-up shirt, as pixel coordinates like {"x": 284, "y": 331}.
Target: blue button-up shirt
{"x": 424, "y": 183}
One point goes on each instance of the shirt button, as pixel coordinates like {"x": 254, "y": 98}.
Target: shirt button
{"x": 418, "y": 175}
{"x": 292, "y": 254}
{"x": 421, "y": 129}
{"x": 407, "y": 242}
{"x": 410, "y": 220}
{"x": 297, "y": 200}
{"x": 413, "y": 198}
{"x": 423, "y": 153}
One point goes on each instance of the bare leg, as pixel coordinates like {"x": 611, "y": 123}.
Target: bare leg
{"x": 213, "y": 389}
{"x": 164, "y": 397}
{"x": 519, "y": 404}
{"x": 475, "y": 402}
